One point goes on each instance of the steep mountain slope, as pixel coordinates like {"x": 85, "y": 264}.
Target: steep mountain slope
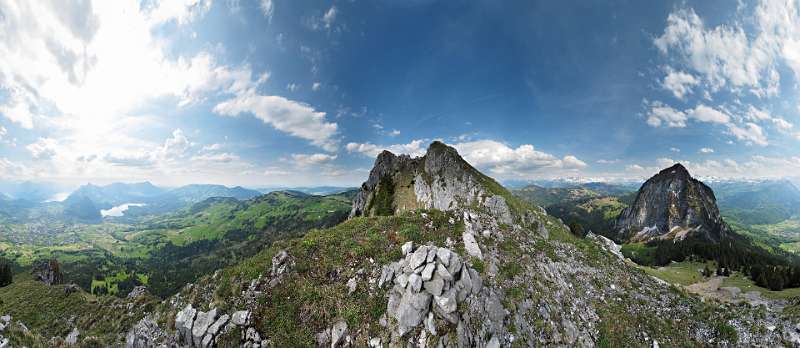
{"x": 758, "y": 202}
{"x": 672, "y": 205}
{"x": 586, "y": 207}
{"x": 449, "y": 276}
{"x": 117, "y": 193}
{"x": 197, "y": 192}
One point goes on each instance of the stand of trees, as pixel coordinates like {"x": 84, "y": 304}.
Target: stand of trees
{"x": 775, "y": 271}
{"x": 6, "y": 273}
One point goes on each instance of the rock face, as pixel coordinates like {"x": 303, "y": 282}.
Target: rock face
{"x": 671, "y": 205}
{"x": 439, "y": 180}
{"x": 48, "y": 272}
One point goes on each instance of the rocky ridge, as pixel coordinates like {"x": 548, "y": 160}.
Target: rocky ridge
{"x": 671, "y": 205}
{"x": 453, "y": 277}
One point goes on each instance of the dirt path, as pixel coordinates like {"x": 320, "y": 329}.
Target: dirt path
{"x": 711, "y": 289}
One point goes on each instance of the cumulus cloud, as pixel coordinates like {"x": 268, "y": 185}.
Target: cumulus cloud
{"x": 181, "y": 11}
{"x": 60, "y": 71}
{"x": 267, "y": 8}
{"x": 605, "y": 161}
{"x": 298, "y": 119}
{"x": 497, "y": 158}
{"x": 224, "y": 157}
{"x": 312, "y": 159}
{"x": 722, "y": 55}
{"x": 329, "y": 17}
{"x": 661, "y": 114}
{"x": 706, "y": 150}
{"x": 414, "y": 148}
{"x": 679, "y": 83}
{"x": 704, "y": 113}
{"x": 176, "y": 145}
{"x": 43, "y": 148}
{"x": 750, "y": 133}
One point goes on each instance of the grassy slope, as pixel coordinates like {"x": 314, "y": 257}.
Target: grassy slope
{"x": 48, "y": 311}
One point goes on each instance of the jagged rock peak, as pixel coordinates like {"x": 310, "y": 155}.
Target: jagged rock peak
{"x": 441, "y": 179}
{"x": 671, "y": 205}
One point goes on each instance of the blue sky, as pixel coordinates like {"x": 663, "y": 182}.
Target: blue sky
{"x": 264, "y": 93}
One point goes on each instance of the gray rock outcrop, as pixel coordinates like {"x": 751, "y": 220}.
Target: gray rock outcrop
{"x": 439, "y": 180}
{"x": 671, "y": 205}
{"x": 420, "y": 294}
{"x": 48, "y": 272}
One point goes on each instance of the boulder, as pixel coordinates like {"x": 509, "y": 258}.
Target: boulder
{"x": 447, "y": 301}
{"x": 407, "y": 248}
{"x": 282, "y": 262}
{"x": 138, "y": 291}
{"x": 443, "y": 254}
{"x": 471, "y": 246}
{"x": 418, "y": 257}
{"x": 427, "y": 272}
{"x": 409, "y": 310}
{"x": 415, "y": 282}
{"x": 338, "y": 333}
{"x": 240, "y": 318}
{"x": 434, "y": 286}
{"x": 72, "y": 338}
{"x": 201, "y": 324}
{"x": 47, "y": 271}
{"x": 183, "y": 323}
{"x": 351, "y": 286}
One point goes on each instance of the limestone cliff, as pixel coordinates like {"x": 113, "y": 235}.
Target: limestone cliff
{"x": 440, "y": 179}
{"x": 671, "y": 205}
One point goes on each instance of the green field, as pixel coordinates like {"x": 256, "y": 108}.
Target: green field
{"x": 168, "y": 250}
{"x": 683, "y": 273}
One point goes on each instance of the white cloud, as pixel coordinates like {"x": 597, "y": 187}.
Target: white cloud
{"x": 414, "y": 148}
{"x": 212, "y": 147}
{"x": 661, "y": 114}
{"x": 522, "y": 161}
{"x": 181, "y": 11}
{"x": 316, "y": 86}
{"x": 297, "y": 119}
{"x": 13, "y": 171}
{"x": 495, "y": 157}
{"x": 782, "y": 124}
{"x": 393, "y": 133}
{"x": 312, "y": 159}
{"x": 225, "y": 157}
{"x": 704, "y": 113}
{"x": 750, "y": 132}
{"x": 267, "y": 8}
{"x": 18, "y": 110}
{"x": 329, "y": 17}
{"x": 674, "y": 149}
{"x": 706, "y": 150}
{"x": 43, "y": 148}
{"x": 634, "y": 168}
{"x": 175, "y": 146}
{"x": 292, "y": 87}
{"x": 605, "y": 161}
{"x": 723, "y": 55}
{"x": 679, "y": 83}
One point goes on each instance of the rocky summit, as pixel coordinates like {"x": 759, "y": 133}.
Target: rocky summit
{"x": 440, "y": 179}
{"x": 671, "y": 205}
